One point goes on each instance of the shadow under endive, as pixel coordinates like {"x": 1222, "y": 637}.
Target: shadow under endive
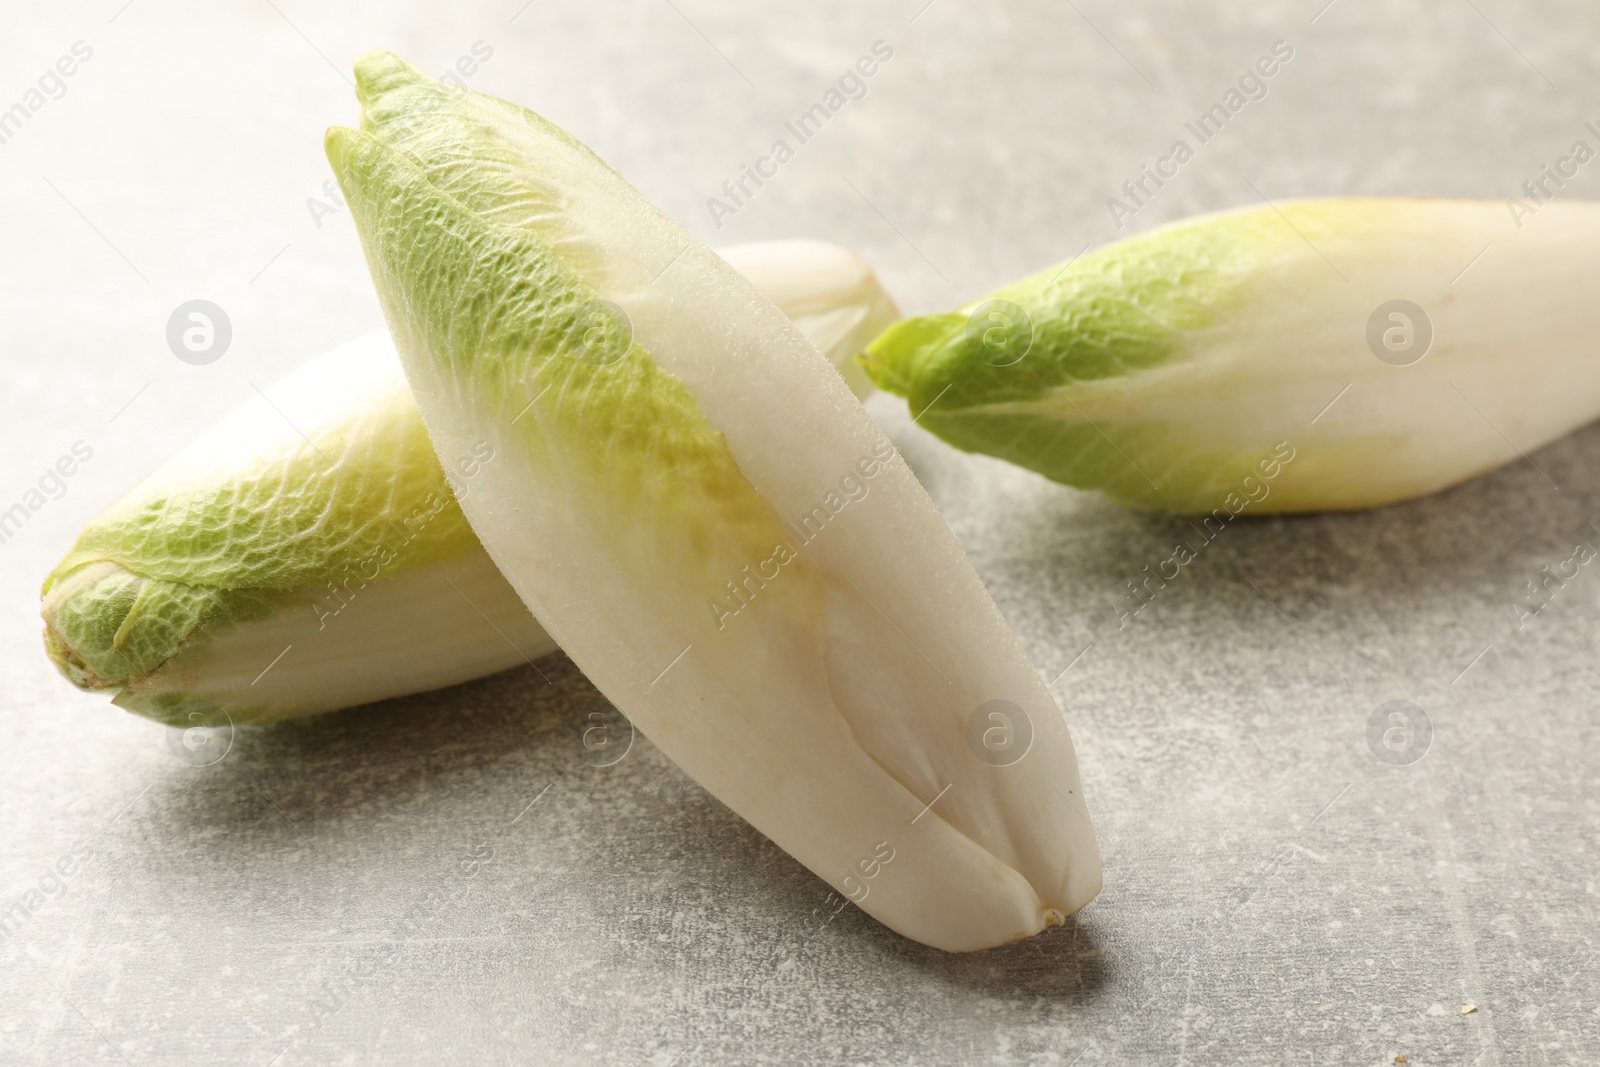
{"x": 1063, "y": 964}
{"x": 1464, "y": 549}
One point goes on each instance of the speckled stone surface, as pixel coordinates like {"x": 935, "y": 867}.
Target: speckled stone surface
{"x": 444, "y": 879}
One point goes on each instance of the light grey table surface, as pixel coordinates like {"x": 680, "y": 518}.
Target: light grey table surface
{"x": 1274, "y": 894}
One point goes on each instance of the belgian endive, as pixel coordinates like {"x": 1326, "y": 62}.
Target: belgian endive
{"x": 696, "y": 508}
{"x": 1318, "y": 354}
{"x": 262, "y": 575}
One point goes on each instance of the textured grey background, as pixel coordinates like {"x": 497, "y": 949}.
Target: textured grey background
{"x": 1274, "y": 894}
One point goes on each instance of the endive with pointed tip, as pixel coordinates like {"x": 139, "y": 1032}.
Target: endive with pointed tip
{"x": 1313, "y": 355}
{"x": 309, "y": 554}
{"x": 692, "y": 503}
